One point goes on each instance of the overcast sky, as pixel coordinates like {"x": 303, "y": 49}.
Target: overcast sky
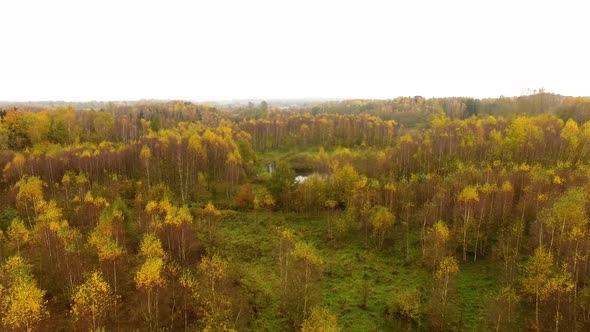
{"x": 211, "y": 50}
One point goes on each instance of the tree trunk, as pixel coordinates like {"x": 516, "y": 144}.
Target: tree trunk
{"x": 537, "y": 312}
{"x": 465, "y": 224}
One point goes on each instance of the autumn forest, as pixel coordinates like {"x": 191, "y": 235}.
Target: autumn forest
{"x": 409, "y": 214}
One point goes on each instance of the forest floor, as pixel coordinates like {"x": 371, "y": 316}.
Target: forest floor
{"x": 358, "y": 281}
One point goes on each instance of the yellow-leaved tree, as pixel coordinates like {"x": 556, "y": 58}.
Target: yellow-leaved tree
{"x": 104, "y": 238}
{"x": 381, "y": 221}
{"x": 92, "y": 300}
{"x": 149, "y": 278}
{"x": 145, "y": 155}
{"x": 211, "y": 216}
{"x": 23, "y": 306}
{"x": 190, "y": 292}
{"x": 30, "y": 195}
{"x": 18, "y": 234}
{"x": 437, "y": 237}
{"x": 216, "y": 304}
{"x": 306, "y": 270}
{"x": 541, "y": 281}
{"x": 468, "y": 196}
{"x": 444, "y": 277}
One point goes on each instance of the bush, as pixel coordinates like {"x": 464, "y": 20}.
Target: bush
{"x": 405, "y": 306}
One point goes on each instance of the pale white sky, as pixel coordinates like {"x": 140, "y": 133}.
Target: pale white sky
{"x": 207, "y": 50}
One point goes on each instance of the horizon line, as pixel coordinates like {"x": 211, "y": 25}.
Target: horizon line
{"x": 260, "y": 99}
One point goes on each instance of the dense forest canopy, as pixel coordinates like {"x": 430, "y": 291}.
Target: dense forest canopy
{"x": 355, "y": 215}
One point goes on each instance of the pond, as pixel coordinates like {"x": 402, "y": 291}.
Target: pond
{"x": 301, "y": 178}
{"x": 300, "y": 175}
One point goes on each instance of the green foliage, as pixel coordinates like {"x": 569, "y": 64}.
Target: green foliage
{"x": 6, "y": 216}
{"x": 282, "y": 183}
{"x": 103, "y": 125}
{"x": 58, "y": 132}
{"x": 345, "y": 177}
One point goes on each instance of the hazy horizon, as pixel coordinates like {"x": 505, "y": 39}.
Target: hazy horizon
{"x": 266, "y": 50}
{"x": 257, "y": 100}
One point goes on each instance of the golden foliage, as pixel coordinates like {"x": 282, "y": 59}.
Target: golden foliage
{"x": 93, "y": 299}
{"x": 23, "y": 305}
{"x": 151, "y": 247}
{"x": 320, "y": 320}
{"x": 150, "y": 274}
